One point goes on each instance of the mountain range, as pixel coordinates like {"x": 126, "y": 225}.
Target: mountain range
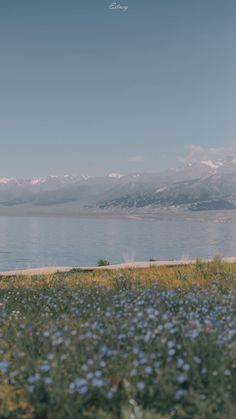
{"x": 199, "y": 186}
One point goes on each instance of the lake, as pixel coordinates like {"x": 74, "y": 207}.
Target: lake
{"x": 27, "y": 242}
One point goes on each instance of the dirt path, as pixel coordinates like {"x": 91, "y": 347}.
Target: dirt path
{"x": 127, "y": 265}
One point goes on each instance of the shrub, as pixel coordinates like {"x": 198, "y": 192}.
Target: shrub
{"x": 218, "y": 265}
{"x": 103, "y": 262}
{"x": 122, "y": 282}
{"x": 201, "y": 267}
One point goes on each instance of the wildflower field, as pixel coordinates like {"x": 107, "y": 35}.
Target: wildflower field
{"x": 147, "y": 343}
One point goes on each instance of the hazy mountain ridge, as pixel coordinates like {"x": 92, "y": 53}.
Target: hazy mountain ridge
{"x": 205, "y": 185}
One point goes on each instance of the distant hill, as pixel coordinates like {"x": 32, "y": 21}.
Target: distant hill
{"x": 205, "y": 185}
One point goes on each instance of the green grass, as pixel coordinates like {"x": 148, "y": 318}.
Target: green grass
{"x": 141, "y": 343}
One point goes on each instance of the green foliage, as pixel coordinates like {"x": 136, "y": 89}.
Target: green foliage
{"x": 103, "y": 262}
{"x": 201, "y": 268}
{"x": 218, "y": 265}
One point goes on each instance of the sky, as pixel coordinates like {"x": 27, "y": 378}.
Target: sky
{"x": 92, "y": 87}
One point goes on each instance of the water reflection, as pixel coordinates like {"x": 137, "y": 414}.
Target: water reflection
{"x": 34, "y": 241}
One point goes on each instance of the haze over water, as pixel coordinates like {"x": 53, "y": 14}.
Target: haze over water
{"x": 27, "y": 242}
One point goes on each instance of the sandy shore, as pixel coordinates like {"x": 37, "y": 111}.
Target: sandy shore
{"x": 127, "y": 265}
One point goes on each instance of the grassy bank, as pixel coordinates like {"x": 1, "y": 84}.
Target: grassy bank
{"x": 147, "y": 343}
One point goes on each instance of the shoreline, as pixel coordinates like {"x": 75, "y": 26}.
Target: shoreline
{"x": 170, "y": 214}
{"x": 47, "y": 270}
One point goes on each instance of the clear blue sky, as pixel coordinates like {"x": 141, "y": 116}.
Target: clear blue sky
{"x": 86, "y": 89}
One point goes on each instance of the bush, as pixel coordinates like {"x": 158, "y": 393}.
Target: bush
{"x": 122, "y": 282}
{"x": 103, "y": 262}
{"x": 218, "y": 265}
{"x": 201, "y": 267}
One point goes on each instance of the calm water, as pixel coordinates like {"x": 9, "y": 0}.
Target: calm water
{"x": 34, "y": 241}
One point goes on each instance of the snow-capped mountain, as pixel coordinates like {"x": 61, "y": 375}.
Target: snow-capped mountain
{"x": 208, "y": 184}
{"x": 213, "y": 165}
{"x": 7, "y": 180}
{"x": 115, "y": 175}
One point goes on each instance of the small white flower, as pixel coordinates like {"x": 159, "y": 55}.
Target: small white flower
{"x": 109, "y": 395}
{"x": 133, "y": 372}
{"x": 44, "y": 367}
{"x": 186, "y": 367}
{"x": 79, "y": 385}
{"x": 227, "y": 373}
{"x": 148, "y": 370}
{"x": 140, "y": 385}
{"x": 180, "y": 393}
{"x": 4, "y": 365}
{"x": 33, "y": 378}
{"x": 179, "y": 363}
{"x": 96, "y": 382}
{"x": 157, "y": 364}
{"x": 47, "y": 380}
{"x": 181, "y": 378}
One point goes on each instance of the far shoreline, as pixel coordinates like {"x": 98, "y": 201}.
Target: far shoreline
{"x": 159, "y": 214}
